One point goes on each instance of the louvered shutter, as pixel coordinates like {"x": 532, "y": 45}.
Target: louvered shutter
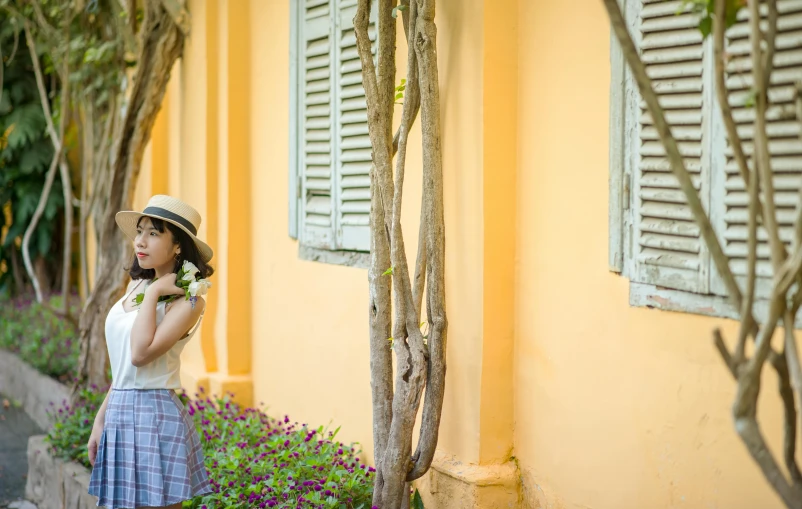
{"x": 315, "y": 137}
{"x": 666, "y": 246}
{"x": 784, "y": 141}
{"x": 353, "y": 148}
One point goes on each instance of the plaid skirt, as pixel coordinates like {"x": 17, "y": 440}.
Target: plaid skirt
{"x": 149, "y": 454}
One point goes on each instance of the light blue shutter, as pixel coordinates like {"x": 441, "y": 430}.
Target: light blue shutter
{"x": 667, "y": 250}
{"x": 353, "y": 147}
{"x": 315, "y": 137}
{"x": 784, "y": 142}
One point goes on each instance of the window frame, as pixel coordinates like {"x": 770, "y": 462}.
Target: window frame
{"x": 621, "y": 183}
{"x": 350, "y": 258}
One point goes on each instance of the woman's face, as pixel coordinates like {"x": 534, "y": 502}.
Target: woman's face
{"x": 155, "y": 249}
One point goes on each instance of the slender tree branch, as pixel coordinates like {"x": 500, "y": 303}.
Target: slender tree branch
{"x": 40, "y": 83}
{"x": 771, "y": 44}
{"x": 719, "y": 29}
{"x": 725, "y": 353}
{"x": 26, "y": 237}
{"x": 426, "y": 46}
{"x": 87, "y": 154}
{"x": 411, "y": 97}
{"x": 51, "y": 173}
{"x": 41, "y": 20}
{"x": 789, "y": 415}
{"x": 750, "y": 180}
{"x": 745, "y": 409}
{"x": 762, "y": 75}
{"x": 382, "y": 158}
{"x": 66, "y": 181}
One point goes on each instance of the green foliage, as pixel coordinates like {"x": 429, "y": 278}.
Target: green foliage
{"x": 82, "y": 43}
{"x": 43, "y": 340}
{"x": 399, "y": 91}
{"x": 253, "y": 460}
{"x": 705, "y": 10}
{"x": 417, "y": 502}
{"x": 25, "y": 156}
{"x": 70, "y": 434}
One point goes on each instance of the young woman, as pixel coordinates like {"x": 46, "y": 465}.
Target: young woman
{"x": 144, "y": 448}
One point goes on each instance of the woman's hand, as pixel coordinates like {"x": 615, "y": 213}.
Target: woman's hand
{"x": 165, "y": 285}
{"x": 94, "y": 441}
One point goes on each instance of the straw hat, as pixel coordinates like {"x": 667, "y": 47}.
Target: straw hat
{"x": 171, "y": 210}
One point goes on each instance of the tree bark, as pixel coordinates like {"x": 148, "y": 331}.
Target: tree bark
{"x": 393, "y": 427}
{"x": 433, "y": 217}
{"x": 162, "y": 44}
{"x": 87, "y": 158}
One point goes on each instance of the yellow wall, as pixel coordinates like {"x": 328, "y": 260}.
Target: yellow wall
{"x": 615, "y": 407}
{"x": 602, "y": 405}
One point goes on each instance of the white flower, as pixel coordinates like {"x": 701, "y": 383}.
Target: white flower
{"x": 200, "y": 287}
{"x": 190, "y": 269}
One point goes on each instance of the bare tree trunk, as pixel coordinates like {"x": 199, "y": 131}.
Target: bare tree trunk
{"x": 418, "y": 365}
{"x": 162, "y": 45}
{"x": 434, "y": 219}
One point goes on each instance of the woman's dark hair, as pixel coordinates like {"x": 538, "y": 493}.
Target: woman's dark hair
{"x": 189, "y": 252}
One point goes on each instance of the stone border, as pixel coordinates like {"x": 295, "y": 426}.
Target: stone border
{"x": 54, "y": 483}
{"x": 36, "y": 391}
{"x": 450, "y": 483}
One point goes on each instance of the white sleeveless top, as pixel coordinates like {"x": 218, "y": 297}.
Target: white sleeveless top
{"x": 162, "y": 373}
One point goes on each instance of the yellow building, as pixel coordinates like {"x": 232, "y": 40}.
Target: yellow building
{"x": 565, "y": 389}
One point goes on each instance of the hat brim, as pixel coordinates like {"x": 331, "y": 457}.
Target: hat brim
{"x": 127, "y": 220}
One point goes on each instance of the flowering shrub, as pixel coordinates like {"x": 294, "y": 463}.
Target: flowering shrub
{"x": 73, "y": 426}
{"x": 253, "y": 460}
{"x": 257, "y": 461}
{"x": 40, "y": 338}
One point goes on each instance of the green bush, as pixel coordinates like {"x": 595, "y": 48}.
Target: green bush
{"x": 257, "y": 461}
{"x": 253, "y": 460}
{"x": 73, "y": 426}
{"x": 43, "y": 340}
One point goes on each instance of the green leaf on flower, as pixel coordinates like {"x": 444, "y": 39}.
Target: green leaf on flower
{"x": 706, "y": 26}
{"x": 417, "y": 501}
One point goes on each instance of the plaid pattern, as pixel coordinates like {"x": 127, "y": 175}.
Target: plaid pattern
{"x": 149, "y": 454}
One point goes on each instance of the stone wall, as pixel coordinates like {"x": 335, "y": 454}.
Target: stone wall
{"x": 34, "y": 390}
{"x": 54, "y": 483}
